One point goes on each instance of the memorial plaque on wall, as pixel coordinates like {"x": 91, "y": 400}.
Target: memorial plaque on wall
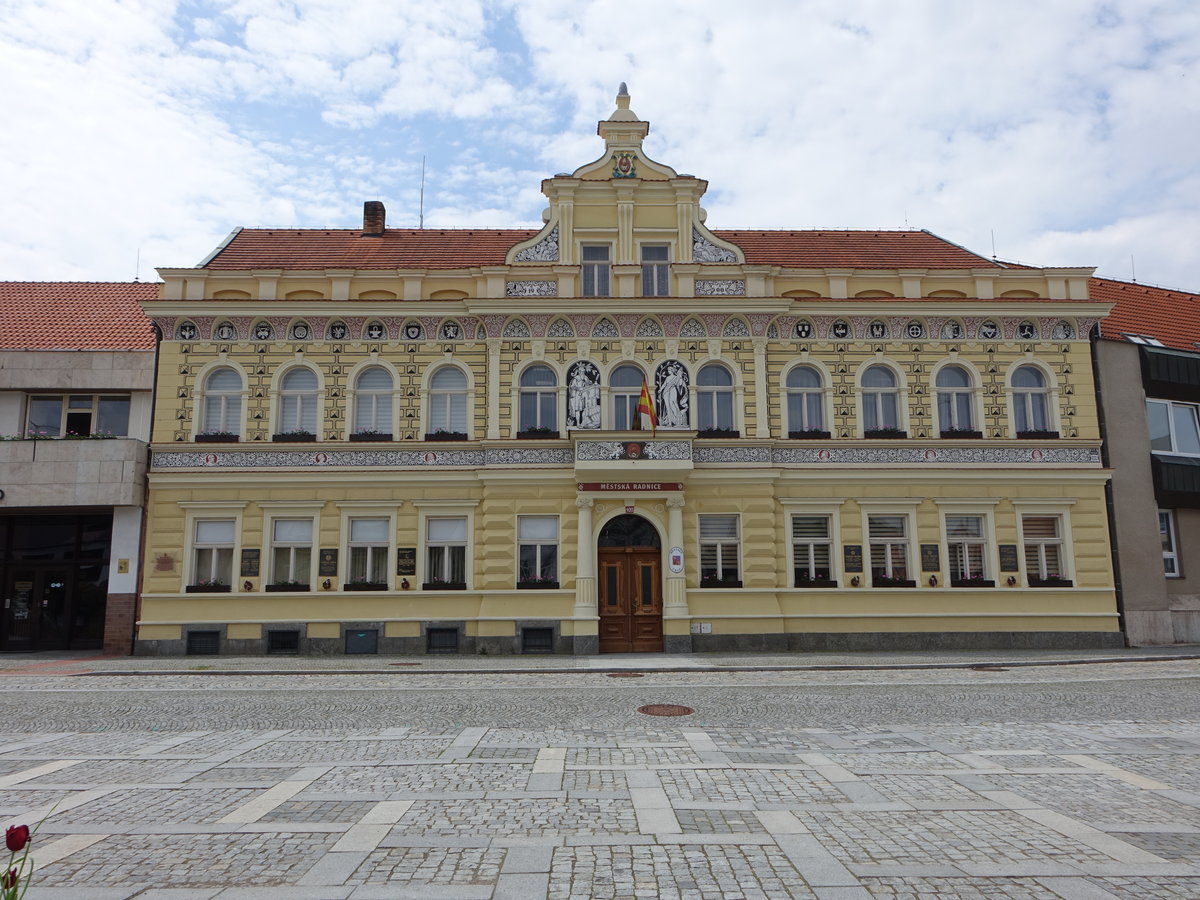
{"x": 930, "y": 559}
{"x": 406, "y": 560}
{"x": 1008, "y": 558}
{"x": 852, "y": 558}
{"x": 250, "y": 562}
{"x": 327, "y": 562}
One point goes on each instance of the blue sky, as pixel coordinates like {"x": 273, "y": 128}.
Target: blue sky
{"x": 150, "y": 128}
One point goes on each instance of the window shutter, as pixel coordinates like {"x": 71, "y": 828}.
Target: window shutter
{"x": 718, "y": 528}
{"x": 805, "y": 528}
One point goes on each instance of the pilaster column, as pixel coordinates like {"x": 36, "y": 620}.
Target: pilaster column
{"x": 675, "y": 595}
{"x": 762, "y": 423}
{"x": 493, "y": 389}
{"x": 585, "y": 559}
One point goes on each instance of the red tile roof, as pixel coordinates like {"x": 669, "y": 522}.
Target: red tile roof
{"x": 432, "y": 248}
{"x": 1172, "y": 317}
{"x": 75, "y": 315}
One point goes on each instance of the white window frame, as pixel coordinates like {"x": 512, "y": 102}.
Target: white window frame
{"x": 821, "y": 393}
{"x": 194, "y": 510}
{"x": 979, "y": 506}
{"x": 1170, "y": 553}
{"x": 445, "y": 509}
{"x": 1061, "y": 509}
{"x": 224, "y": 398}
{"x": 305, "y": 400}
{"x": 873, "y": 396}
{"x": 830, "y": 508}
{"x": 210, "y": 574}
{"x": 379, "y": 400}
{"x": 368, "y": 509}
{"x": 539, "y": 392}
{"x": 954, "y": 393}
{"x": 658, "y": 271}
{"x": 1171, "y": 406}
{"x": 538, "y": 544}
{"x": 1021, "y": 397}
{"x": 591, "y": 272}
{"x": 891, "y": 507}
{"x": 615, "y": 391}
{"x": 720, "y": 545}
{"x": 435, "y": 397}
{"x": 70, "y": 403}
{"x": 711, "y": 394}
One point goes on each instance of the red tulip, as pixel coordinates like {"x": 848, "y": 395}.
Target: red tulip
{"x": 16, "y": 837}
{"x": 10, "y": 880}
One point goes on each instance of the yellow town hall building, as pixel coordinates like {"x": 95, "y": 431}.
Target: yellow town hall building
{"x": 408, "y": 441}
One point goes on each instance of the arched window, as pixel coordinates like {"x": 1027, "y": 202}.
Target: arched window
{"x": 373, "y": 401}
{"x": 222, "y": 402}
{"x": 1031, "y": 408}
{"x": 625, "y": 387}
{"x": 805, "y": 400}
{"x": 298, "y": 401}
{"x": 880, "y": 400}
{"x": 448, "y": 401}
{"x": 539, "y": 399}
{"x": 714, "y": 398}
{"x": 954, "y": 400}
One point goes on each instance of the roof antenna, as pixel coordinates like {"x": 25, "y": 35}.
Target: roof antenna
{"x": 422, "y": 213}
{"x": 137, "y": 266}
{"x": 1132, "y": 269}
{"x": 993, "y": 243}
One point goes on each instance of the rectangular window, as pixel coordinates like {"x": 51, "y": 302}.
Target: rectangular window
{"x": 212, "y": 552}
{"x": 656, "y": 271}
{"x": 965, "y": 548}
{"x": 718, "y": 550}
{"x": 1043, "y": 547}
{"x": 1173, "y": 427}
{"x": 369, "y": 540}
{"x": 1166, "y": 532}
{"x": 889, "y": 548}
{"x": 291, "y": 551}
{"x": 78, "y": 415}
{"x": 446, "y": 548}
{"x": 537, "y": 539}
{"x": 596, "y": 271}
{"x": 811, "y": 553}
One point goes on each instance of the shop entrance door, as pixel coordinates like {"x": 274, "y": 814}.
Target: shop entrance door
{"x": 35, "y": 608}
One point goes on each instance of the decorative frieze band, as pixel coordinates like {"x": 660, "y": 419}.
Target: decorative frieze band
{"x": 720, "y": 287}
{"x": 603, "y": 451}
{"x": 531, "y": 289}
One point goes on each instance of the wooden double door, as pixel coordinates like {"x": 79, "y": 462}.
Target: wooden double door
{"x": 630, "y": 599}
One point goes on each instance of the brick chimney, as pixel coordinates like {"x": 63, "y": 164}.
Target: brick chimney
{"x": 373, "y": 218}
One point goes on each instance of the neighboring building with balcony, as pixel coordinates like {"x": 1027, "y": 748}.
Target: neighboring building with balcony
{"x": 76, "y": 382}
{"x": 402, "y": 440}
{"x": 1149, "y": 376}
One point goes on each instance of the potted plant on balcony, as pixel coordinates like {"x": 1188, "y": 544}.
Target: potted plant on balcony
{"x": 809, "y": 434}
{"x": 805, "y": 580}
{"x": 443, "y": 434}
{"x": 365, "y": 435}
{"x": 362, "y": 584}
{"x": 717, "y": 431}
{"x": 538, "y": 432}
{"x": 1050, "y": 580}
{"x": 207, "y": 586}
{"x": 967, "y": 433}
{"x": 717, "y": 581}
{"x": 1037, "y": 434}
{"x": 284, "y": 585}
{"x": 296, "y": 435}
{"x": 537, "y": 582}
{"x": 976, "y": 581}
{"x": 440, "y": 584}
{"x": 888, "y": 431}
{"x": 217, "y": 437}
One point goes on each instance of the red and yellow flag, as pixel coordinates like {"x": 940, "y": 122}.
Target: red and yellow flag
{"x": 645, "y": 414}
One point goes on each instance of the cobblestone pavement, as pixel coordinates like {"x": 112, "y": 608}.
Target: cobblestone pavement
{"x": 1078, "y": 782}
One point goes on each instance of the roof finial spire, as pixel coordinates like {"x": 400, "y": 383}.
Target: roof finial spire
{"x": 623, "y": 97}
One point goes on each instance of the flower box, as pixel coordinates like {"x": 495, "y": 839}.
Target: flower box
{"x": 813, "y": 434}
{"x": 537, "y": 435}
{"x": 285, "y": 588}
{"x": 220, "y": 437}
{"x": 294, "y": 437}
{"x": 365, "y": 586}
{"x": 446, "y": 436}
{"x": 1037, "y": 435}
{"x": 962, "y": 433}
{"x": 893, "y": 582}
{"x": 1052, "y": 581}
{"x": 718, "y": 433}
{"x": 713, "y": 583}
{"x": 369, "y": 436}
{"x": 207, "y": 589}
{"x": 972, "y": 582}
{"x": 815, "y": 583}
{"x": 444, "y": 586}
{"x": 537, "y": 585}
{"x": 885, "y": 433}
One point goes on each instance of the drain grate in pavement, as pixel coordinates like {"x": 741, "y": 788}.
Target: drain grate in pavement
{"x": 665, "y": 709}
{"x": 624, "y": 674}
